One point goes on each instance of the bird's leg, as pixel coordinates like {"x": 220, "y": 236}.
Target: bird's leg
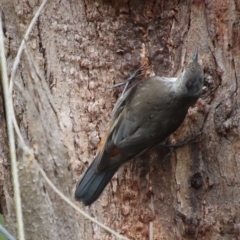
{"x": 173, "y": 147}
{"x": 183, "y": 143}
{"x": 168, "y": 155}
{"x": 136, "y": 74}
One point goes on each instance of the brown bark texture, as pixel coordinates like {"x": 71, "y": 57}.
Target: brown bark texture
{"x": 63, "y": 107}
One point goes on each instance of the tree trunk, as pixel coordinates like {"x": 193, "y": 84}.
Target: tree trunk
{"x": 81, "y": 47}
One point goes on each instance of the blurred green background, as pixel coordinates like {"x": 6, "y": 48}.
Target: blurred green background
{"x": 2, "y": 237}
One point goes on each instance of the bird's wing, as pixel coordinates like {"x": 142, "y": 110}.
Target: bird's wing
{"x": 137, "y": 122}
{"x": 123, "y": 100}
{"x": 127, "y": 135}
{"x": 119, "y": 128}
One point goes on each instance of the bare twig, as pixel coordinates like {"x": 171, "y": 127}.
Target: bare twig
{"x": 4, "y": 231}
{"x": 8, "y": 93}
{"x": 11, "y": 140}
{"x": 68, "y": 201}
{"x": 25, "y": 38}
{"x": 15, "y": 66}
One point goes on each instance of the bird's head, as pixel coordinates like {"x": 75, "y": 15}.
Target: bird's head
{"x": 191, "y": 79}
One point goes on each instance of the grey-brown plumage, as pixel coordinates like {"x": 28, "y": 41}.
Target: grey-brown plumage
{"x": 143, "y": 117}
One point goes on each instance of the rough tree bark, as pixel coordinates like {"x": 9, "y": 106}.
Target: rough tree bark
{"x": 83, "y": 46}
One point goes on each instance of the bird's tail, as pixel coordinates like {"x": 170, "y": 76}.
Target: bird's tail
{"x": 93, "y": 183}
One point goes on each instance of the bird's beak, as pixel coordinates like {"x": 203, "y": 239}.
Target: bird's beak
{"x": 195, "y": 55}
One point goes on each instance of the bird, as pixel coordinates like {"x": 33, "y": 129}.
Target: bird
{"x": 144, "y": 116}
